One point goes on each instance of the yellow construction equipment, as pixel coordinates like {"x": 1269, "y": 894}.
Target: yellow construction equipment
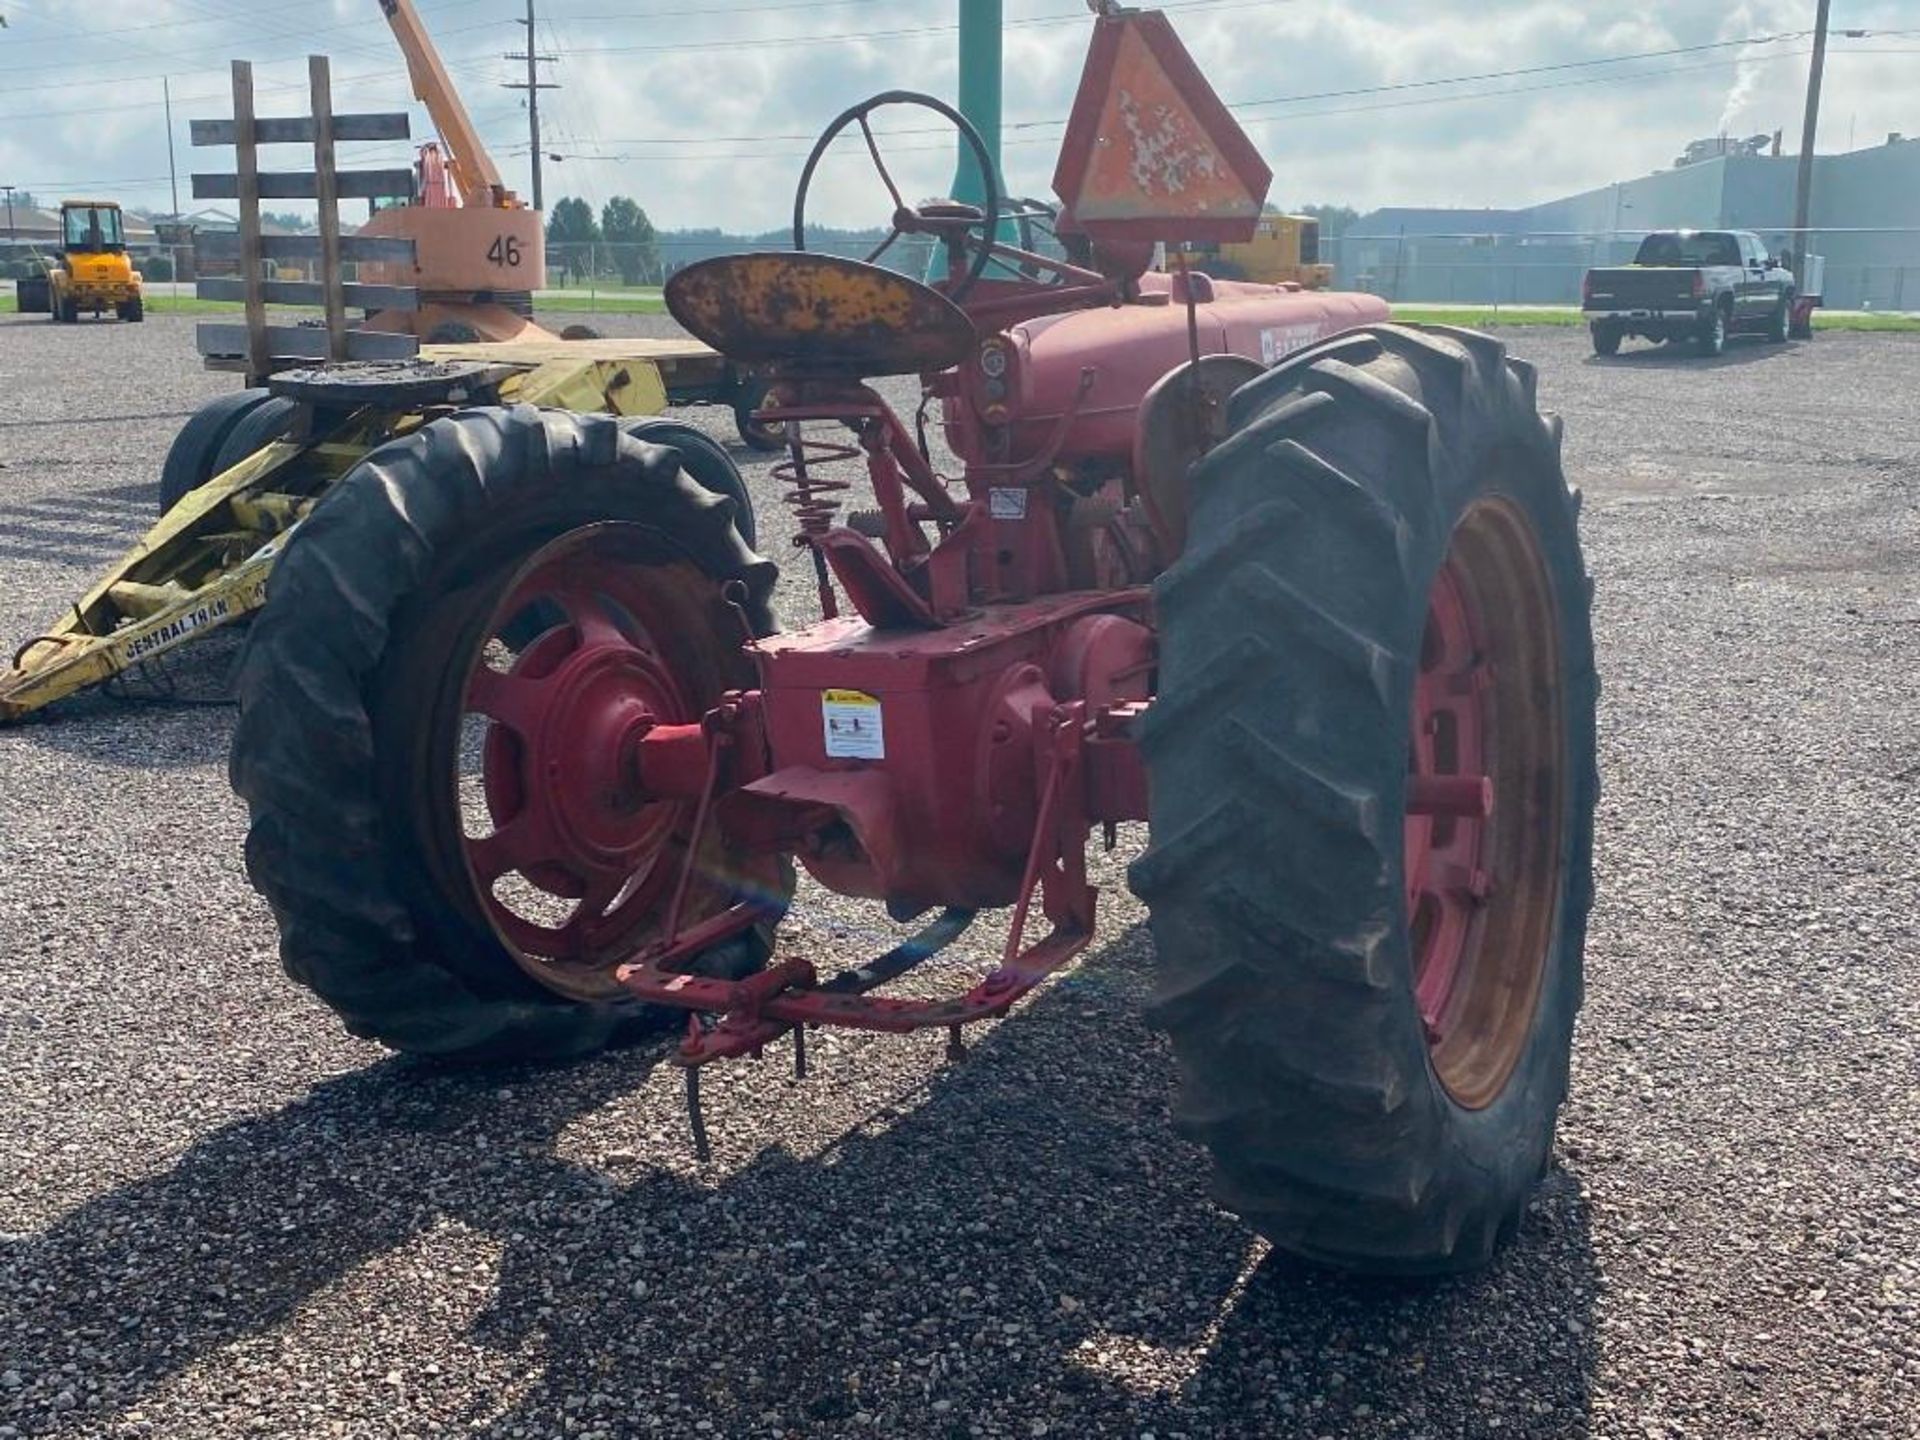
{"x": 91, "y": 274}
{"x": 1284, "y": 250}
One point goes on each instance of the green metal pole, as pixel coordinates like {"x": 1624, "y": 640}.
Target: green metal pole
{"x": 980, "y": 31}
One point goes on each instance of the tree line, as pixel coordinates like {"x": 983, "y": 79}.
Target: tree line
{"x": 621, "y": 225}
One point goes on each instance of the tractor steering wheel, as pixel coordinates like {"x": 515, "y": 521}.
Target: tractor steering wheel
{"x": 945, "y": 219}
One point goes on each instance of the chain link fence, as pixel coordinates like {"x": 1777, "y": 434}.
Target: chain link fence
{"x": 594, "y": 266}
{"x": 1866, "y": 269}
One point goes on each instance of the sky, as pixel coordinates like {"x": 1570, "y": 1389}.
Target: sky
{"x": 704, "y": 112}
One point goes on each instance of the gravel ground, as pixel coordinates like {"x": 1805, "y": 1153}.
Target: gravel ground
{"x": 220, "y": 1216}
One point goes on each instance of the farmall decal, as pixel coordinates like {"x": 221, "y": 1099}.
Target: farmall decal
{"x": 1281, "y": 340}
{"x": 173, "y": 631}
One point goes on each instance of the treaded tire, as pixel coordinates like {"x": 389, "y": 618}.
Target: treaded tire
{"x": 254, "y": 431}
{"x": 706, "y": 460}
{"x": 1781, "y": 321}
{"x": 748, "y": 396}
{"x": 189, "y": 462}
{"x": 1606, "y": 340}
{"x": 1712, "y": 337}
{"x": 316, "y": 754}
{"x": 1278, "y": 751}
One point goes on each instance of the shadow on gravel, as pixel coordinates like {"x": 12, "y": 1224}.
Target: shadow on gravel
{"x": 1023, "y": 1246}
{"x": 176, "y": 712}
{"x": 1741, "y": 350}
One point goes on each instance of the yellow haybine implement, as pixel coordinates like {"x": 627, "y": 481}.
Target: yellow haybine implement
{"x": 207, "y": 563}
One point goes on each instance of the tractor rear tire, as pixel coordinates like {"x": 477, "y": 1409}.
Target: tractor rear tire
{"x": 254, "y": 431}
{"x": 378, "y": 613}
{"x": 706, "y": 460}
{"x": 190, "y": 459}
{"x": 1304, "y": 637}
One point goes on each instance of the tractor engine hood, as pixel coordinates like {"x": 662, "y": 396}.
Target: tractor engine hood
{"x": 1129, "y": 347}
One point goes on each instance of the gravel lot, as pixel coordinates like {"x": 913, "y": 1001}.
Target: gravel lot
{"x": 220, "y": 1216}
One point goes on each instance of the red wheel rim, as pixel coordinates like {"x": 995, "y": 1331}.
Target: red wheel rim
{"x": 569, "y": 861}
{"x": 1486, "y": 771}
{"x": 1446, "y": 881}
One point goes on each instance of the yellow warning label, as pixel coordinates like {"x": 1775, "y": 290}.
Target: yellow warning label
{"x": 854, "y": 726}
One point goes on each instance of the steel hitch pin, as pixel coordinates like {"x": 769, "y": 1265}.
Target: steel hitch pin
{"x": 702, "y": 1151}
{"x": 697, "y": 1121}
{"x": 956, "y": 1047}
{"x": 800, "y": 1052}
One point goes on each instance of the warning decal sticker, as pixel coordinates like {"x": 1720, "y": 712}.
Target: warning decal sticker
{"x": 853, "y": 725}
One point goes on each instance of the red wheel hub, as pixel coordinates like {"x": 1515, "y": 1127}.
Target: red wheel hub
{"x": 570, "y": 816}
{"x": 1449, "y": 801}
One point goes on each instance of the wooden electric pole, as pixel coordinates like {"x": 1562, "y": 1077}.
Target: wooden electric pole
{"x": 1803, "y": 190}
{"x": 533, "y": 85}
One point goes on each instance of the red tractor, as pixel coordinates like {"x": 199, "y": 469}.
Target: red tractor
{"x": 528, "y": 762}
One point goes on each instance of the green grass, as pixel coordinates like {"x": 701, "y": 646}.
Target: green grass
{"x": 1861, "y": 320}
{"x": 1481, "y": 318}
{"x": 156, "y": 305}
{"x": 606, "y": 303}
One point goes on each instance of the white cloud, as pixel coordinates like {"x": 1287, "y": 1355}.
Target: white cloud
{"x": 708, "y": 134}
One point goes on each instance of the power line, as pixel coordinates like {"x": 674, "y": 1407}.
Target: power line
{"x": 1502, "y": 93}
{"x": 1305, "y": 96}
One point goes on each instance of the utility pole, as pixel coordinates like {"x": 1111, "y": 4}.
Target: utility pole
{"x": 173, "y": 187}
{"x": 9, "y": 190}
{"x": 533, "y": 85}
{"x": 1803, "y": 189}
{"x": 173, "y": 175}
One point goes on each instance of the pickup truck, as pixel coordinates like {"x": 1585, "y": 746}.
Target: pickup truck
{"x": 1699, "y": 285}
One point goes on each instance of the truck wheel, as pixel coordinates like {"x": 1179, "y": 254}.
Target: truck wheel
{"x": 748, "y": 396}
{"x": 254, "y": 431}
{"x": 1369, "y": 977}
{"x": 132, "y": 311}
{"x": 189, "y": 462}
{"x": 1606, "y": 340}
{"x": 1713, "y": 332}
{"x": 1779, "y": 322}
{"x": 454, "y": 864}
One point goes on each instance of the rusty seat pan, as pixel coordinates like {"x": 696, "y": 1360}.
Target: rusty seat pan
{"x": 807, "y": 314}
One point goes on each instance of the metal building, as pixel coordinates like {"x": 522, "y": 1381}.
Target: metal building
{"x": 1866, "y": 218}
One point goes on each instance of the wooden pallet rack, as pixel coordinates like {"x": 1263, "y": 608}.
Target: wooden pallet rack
{"x": 255, "y": 347}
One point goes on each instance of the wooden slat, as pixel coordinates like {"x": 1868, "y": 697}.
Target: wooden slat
{"x": 310, "y": 292}
{"x": 247, "y": 191}
{"x": 320, "y": 81}
{"x": 371, "y": 249}
{"x": 298, "y": 129}
{"x": 305, "y": 185}
{"x": 287, "y": 342}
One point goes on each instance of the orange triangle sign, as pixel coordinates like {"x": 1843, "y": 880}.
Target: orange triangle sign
{"x": 1150, "y": 152}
